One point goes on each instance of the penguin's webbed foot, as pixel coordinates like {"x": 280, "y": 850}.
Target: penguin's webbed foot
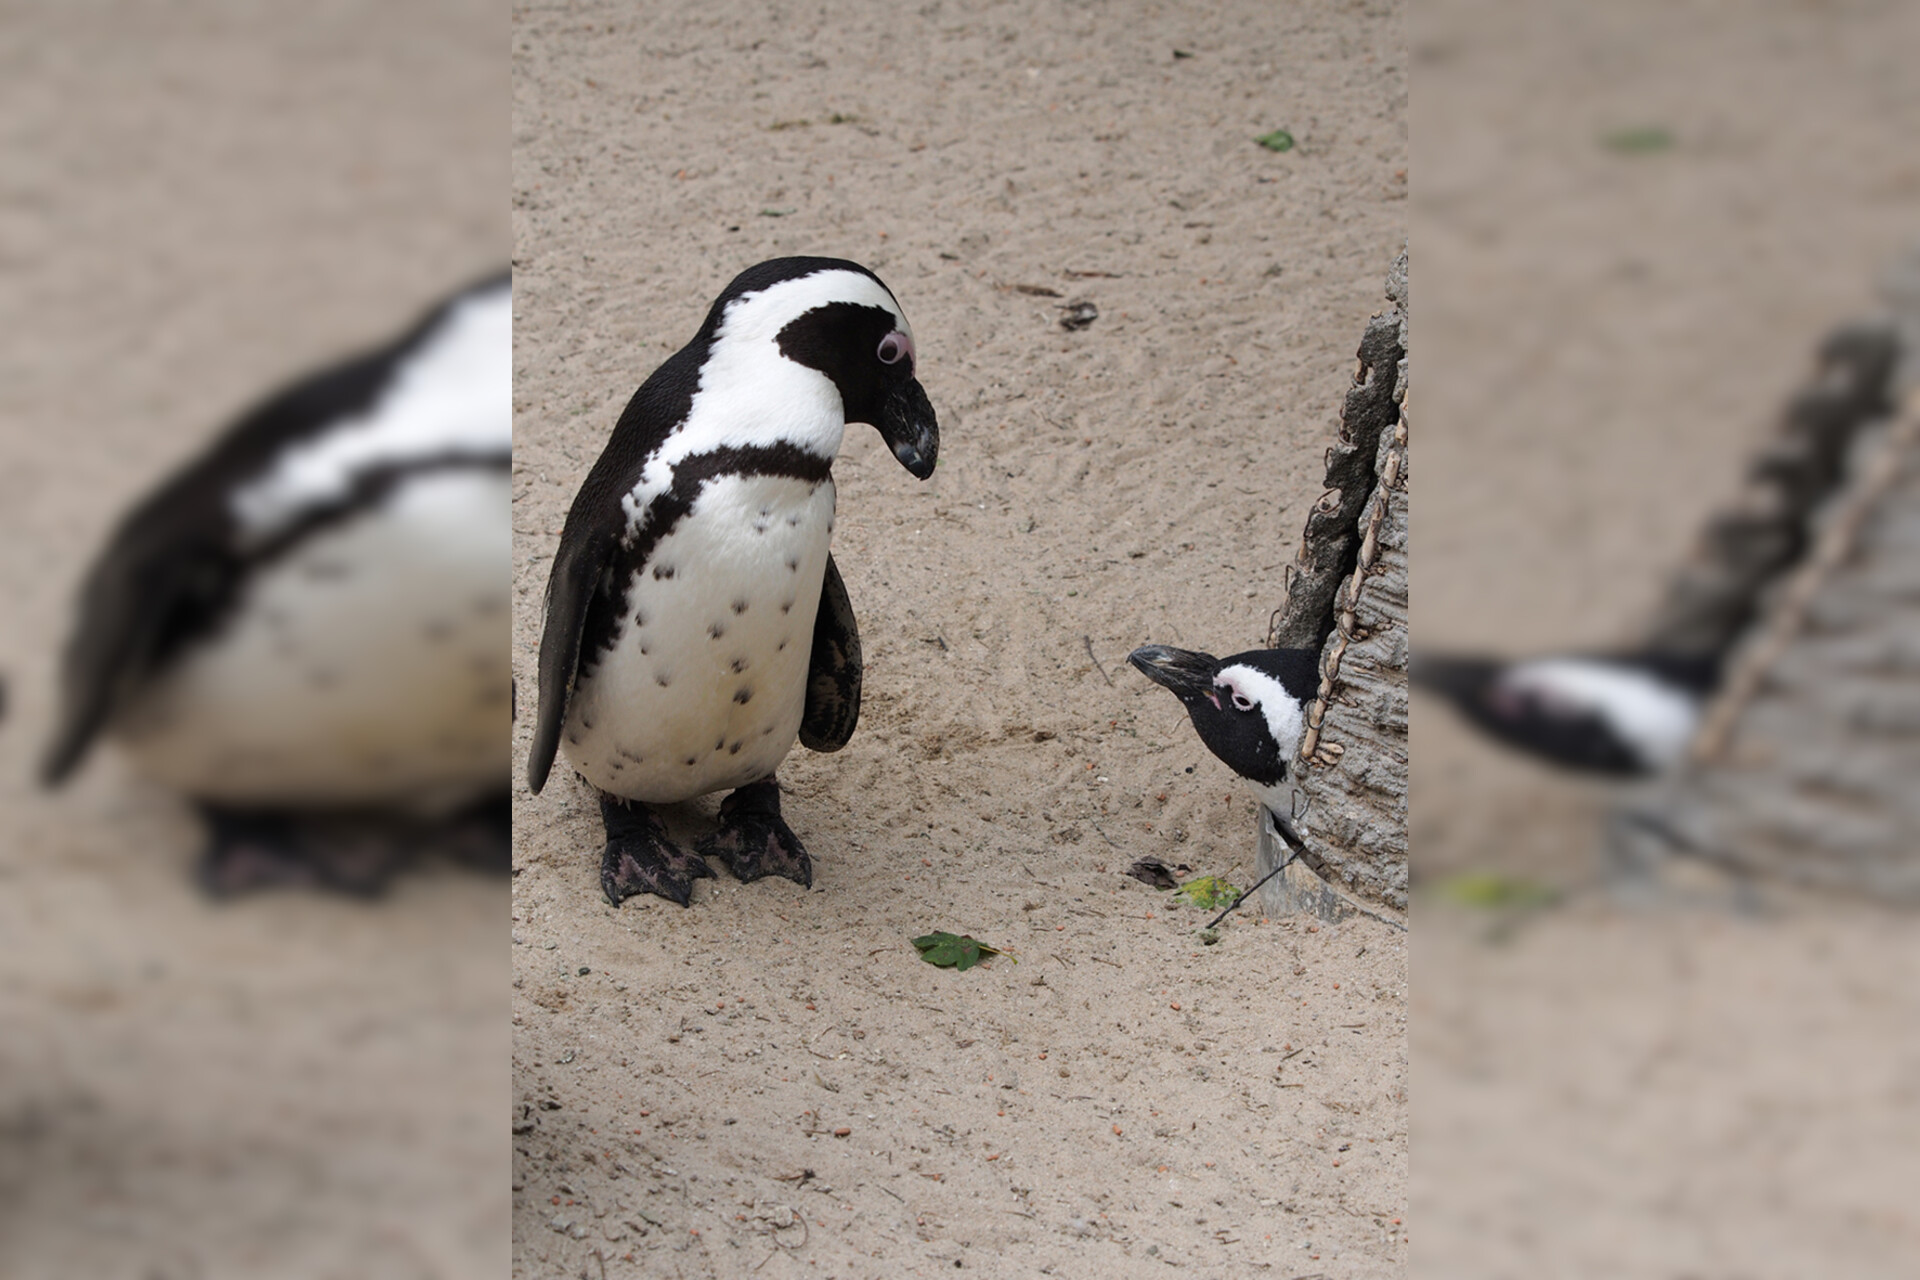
{"x": 754, "y": 841}
{"x": 640, "y": 858}
{"x": 479, "y": 837}
{"x": 250, "y": 850}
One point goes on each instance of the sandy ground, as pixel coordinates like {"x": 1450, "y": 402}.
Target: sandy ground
{"x": 198, "y": 203}
{"x": 1678, "y": 1089}
{"x": 771, "y": 1082}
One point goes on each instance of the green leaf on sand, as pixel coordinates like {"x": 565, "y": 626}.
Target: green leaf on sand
{"x": 1278, "y": 140}
{"x": 1642, "y": 140}
{"x": 1495, "y": 891}
{"x": 955, "y": 951}
{"x": 1209, "y": 893}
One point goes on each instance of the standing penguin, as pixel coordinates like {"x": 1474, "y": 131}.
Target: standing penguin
{"x": 696, "y": 624}
{"x": 307, "y": 626}
{"x": 1250, "y": 710}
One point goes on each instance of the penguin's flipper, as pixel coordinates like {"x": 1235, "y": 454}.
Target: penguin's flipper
{"x": 160, "y": 578}
{"x": 833, "y": 671}
{"x": 577, "y": 569}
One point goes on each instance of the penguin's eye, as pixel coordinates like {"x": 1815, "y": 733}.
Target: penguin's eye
{"x": 894, "y": 348}
{"x": 1241, "y": 702}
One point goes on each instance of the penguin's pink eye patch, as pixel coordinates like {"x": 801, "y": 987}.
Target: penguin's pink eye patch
{"x": 1241, "y": 702}
{"x": 896, "y": 347}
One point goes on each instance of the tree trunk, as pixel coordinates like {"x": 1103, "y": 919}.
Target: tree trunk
{"x": 1348, "y": 597}
{"x": 1806, "y": 764}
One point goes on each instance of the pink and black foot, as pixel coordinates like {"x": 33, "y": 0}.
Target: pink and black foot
{"x": 266, "y": 849}
{"x": 640, "y": 858}
{"x": 754, "y": 841}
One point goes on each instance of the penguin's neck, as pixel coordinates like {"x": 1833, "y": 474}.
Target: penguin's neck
{"x": 752, "y": 396}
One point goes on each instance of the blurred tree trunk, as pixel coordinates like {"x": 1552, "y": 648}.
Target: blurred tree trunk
{"x": 1805, "y": 767}
{"x": 1348, "y": 597}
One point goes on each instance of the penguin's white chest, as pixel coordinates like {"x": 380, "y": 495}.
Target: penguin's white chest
{"x": 368, "y": 665}
{"x": 705, "y": 683}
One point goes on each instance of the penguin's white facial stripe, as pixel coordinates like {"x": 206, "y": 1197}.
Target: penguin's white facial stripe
{"x": 759, "y": 317}
{"x": 1654, "y": 719}
{"x": 1270, "y": 697}
{"x": 751, "y": 395}
{"x": 451, "y": 397}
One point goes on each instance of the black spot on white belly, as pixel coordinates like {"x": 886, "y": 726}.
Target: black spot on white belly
{"x": 739, "y": 665}
{"x": 743, "y": 696}
{"x": 662, "y": 571}
{"x": 734, "y": 750}
{"x": 715, "y": 631}
{"x": 739, "y": 606}
{"x": 663, "y": 679}
{"x": 793, "y": 566}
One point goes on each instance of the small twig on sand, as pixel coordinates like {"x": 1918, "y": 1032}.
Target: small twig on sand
{"x": 1248, "y": 894}
{"x": 1088, "y": 641}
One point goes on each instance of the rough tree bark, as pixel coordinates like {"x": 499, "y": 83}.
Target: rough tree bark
{"x": 1805, "y": 768}
{"x": 1347, "y": 596}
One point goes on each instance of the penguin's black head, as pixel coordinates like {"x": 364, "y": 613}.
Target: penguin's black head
{"x": 1249, "y": 710}
{"x": 1627, "y": 715}
{"x": 868, "y": 352}
{"x": 838, "y": 318}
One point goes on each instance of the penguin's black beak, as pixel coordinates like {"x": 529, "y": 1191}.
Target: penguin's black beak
{"x": 907, "y": 424}
{"x": 1188, "y": 674}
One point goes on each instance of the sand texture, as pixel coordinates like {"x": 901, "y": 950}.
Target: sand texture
{"x": 771, "y": 1082}
{"x": 201, "y": 203}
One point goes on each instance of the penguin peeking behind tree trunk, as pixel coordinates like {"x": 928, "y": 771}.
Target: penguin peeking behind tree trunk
{"x": 306, "y": 630}
{"x": 696, "y": 624}
{"x": 1250, "y": 710}
{"x": 1624, "y": 716}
